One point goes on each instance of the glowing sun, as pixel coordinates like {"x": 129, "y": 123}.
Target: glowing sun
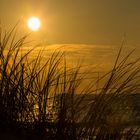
{"x": 34, "y": 23}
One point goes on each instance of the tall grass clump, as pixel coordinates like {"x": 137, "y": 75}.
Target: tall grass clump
{"x": 41, "y": 100}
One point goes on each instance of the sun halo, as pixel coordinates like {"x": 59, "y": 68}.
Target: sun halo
{"x": 34, "y": 23}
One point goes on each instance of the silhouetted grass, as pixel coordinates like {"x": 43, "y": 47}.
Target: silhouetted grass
{"x": 40, "y": 100}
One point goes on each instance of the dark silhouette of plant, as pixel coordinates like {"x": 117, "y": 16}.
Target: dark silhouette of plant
{"x": 40, "y": 100}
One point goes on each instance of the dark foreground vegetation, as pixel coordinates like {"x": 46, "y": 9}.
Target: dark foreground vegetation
{"x": 38, "y": 101}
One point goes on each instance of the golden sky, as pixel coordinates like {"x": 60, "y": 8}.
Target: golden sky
{"x": 77, "y": 21}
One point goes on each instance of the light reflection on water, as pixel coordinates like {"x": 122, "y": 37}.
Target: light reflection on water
{"x": 95, "y": 60}
{"x": 101, "y": 58}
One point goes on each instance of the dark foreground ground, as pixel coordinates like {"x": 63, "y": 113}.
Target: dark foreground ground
{"x": 49, "y": 130}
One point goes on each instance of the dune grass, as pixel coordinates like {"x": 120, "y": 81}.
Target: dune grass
{"x": 40, "y": 100}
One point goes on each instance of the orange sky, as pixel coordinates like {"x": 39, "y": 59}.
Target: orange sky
{"x": 78, "y": 21}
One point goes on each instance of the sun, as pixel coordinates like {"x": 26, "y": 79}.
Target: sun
{"x": 34, "y": 23}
